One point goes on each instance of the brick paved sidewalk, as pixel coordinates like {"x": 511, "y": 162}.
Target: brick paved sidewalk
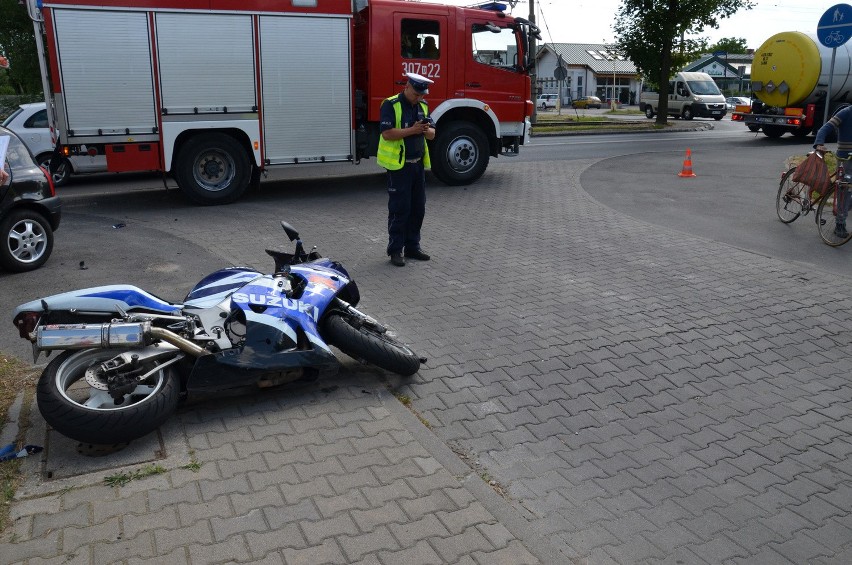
{"x": 322, "y": 473}
{"x": 638, "y": 395}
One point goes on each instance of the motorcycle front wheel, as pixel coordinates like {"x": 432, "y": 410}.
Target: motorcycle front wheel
{"x": 83, "y": 410}
{"x": 365, "y": 343}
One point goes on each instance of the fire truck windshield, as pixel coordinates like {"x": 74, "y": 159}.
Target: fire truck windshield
{"x": 494, "y": 45}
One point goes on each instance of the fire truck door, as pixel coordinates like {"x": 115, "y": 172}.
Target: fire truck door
{"x": 491, "y": 66}
{"x": 421, "y": 46}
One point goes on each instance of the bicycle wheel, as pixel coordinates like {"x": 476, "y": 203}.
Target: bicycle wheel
{"x": 792, "y": 198}
{"x": 826, "y": 219}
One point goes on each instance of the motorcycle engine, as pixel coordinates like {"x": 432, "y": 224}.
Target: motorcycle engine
{"x": 235, "y": 327}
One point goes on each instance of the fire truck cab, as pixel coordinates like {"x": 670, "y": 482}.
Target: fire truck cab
{"x": 216, "y": 91}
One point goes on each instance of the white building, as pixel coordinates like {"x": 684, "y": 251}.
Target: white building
{"x": 592, "y": 70}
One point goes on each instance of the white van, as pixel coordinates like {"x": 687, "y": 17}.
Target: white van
{"x": 690, "y": 95}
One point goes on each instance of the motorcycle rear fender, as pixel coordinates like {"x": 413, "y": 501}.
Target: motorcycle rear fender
{"x": 102, "y": 300}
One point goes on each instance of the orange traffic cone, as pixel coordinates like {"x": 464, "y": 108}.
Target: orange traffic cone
{"x": 687, "y": 165}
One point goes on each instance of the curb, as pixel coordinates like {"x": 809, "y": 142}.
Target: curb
{"x": 674, "y": 129}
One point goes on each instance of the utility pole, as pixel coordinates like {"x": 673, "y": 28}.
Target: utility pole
{"x": 533, "y": 74}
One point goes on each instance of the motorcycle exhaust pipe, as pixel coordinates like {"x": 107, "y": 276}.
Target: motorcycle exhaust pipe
{"x": 106, "y": 336}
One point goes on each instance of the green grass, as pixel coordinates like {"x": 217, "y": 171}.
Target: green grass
{"x": 121, "y": 479}
{"x": 15, "y": 376}
{"x": 194, "y": 464}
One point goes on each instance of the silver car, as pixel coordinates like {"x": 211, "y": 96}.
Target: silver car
{"x": 30, "y": 122}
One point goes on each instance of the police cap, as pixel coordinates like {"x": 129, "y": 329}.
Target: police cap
{"x": 419, "y": 83}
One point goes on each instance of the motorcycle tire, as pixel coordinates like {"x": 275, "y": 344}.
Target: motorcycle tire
{"x": 86, "y": 414}
{"x": 363, "y": 343}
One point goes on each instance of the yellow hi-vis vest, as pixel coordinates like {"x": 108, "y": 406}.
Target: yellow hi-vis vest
{"x": 391, "y": 154}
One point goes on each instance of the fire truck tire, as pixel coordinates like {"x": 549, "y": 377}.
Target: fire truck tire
{"x": 461, "y": 154}
{"x": 213, "y": 169}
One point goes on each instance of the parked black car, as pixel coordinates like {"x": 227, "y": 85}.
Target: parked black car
{"x": 29, "y": 210}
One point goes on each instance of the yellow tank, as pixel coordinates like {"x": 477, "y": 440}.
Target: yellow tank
{"x": 791, "y": 68}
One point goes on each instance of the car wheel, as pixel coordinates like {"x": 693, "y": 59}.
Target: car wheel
{"x": 63, "y": 171}
{"x": 649, "y": 111}
{"x": 687, "y": 113}
{"x": 27, "y": 240}
{"x": 543, "y": 106}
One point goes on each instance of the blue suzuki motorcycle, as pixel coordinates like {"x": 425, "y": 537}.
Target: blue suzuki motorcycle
{"x": 128, "y": 356}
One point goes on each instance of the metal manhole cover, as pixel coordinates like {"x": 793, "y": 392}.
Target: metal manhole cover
{"x": 65, "y": 458}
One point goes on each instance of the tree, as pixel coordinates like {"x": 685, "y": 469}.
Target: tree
{"x": 17, "y": 42}
{"x": 730, "y": 45}
{"x": 656, "y": 35}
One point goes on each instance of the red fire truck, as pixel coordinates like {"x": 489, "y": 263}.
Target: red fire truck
{"x": 216, "y": 91}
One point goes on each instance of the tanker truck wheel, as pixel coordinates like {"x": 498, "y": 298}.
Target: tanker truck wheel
{"x": 461, "y": 154}
{"x": 212, "y": 169}
{"x": 802, "y": 131}
{"x": 773, "y": 131}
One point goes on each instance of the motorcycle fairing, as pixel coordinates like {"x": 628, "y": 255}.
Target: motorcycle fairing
{"x": 274, "y": 323}
{"x": 107, "y": 299}
{"x": 213, "y": 288}
{"x": 271, "y": 345}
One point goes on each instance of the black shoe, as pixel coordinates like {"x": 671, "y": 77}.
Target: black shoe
{"x": 397, "y": 259}
{"x": 416, "y": 254}
{"x": 840, "y": 231}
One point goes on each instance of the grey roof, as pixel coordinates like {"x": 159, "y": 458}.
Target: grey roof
{"x": 579, "y": 54}
{"x": 733, "y": 60}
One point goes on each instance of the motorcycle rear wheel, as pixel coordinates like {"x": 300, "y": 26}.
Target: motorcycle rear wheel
{"x": 379, "y": 349}
{"x": 89, "y": 415}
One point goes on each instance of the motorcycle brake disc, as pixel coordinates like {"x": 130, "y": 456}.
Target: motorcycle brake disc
{"x": 95, "y": 378}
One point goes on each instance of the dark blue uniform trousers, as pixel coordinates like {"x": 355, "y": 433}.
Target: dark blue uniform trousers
{"x": 406, "y": 207}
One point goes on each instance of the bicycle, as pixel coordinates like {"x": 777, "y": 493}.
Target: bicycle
{"x": 836, "y": 197}
{"x": 796, "y": 199}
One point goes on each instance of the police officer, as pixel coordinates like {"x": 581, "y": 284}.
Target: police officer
{"x": 405, "y": 126}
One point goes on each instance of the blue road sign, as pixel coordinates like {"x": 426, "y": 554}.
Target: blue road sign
{"x": 835, "y": 26}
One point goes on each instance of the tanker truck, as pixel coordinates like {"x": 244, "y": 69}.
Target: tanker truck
{"x": 789, "y": 77}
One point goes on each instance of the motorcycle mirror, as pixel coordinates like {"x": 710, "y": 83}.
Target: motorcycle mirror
{"x": 290, "y": 231}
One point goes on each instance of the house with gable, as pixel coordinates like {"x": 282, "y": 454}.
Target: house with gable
{"x": 593, "y": 69}
{"x": 730, "y": 71}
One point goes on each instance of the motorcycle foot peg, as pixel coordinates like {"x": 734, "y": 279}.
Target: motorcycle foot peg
{"x": 423, "y": 360}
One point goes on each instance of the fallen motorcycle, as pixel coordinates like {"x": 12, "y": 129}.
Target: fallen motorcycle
{"x": 128, "y": 356}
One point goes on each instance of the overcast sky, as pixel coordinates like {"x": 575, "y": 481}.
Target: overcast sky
{"x": 590, "y": 21}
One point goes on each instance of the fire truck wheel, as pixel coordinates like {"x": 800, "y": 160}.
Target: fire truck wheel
{"x": 212, "y": 169}
{"x": 461, "y": 154}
